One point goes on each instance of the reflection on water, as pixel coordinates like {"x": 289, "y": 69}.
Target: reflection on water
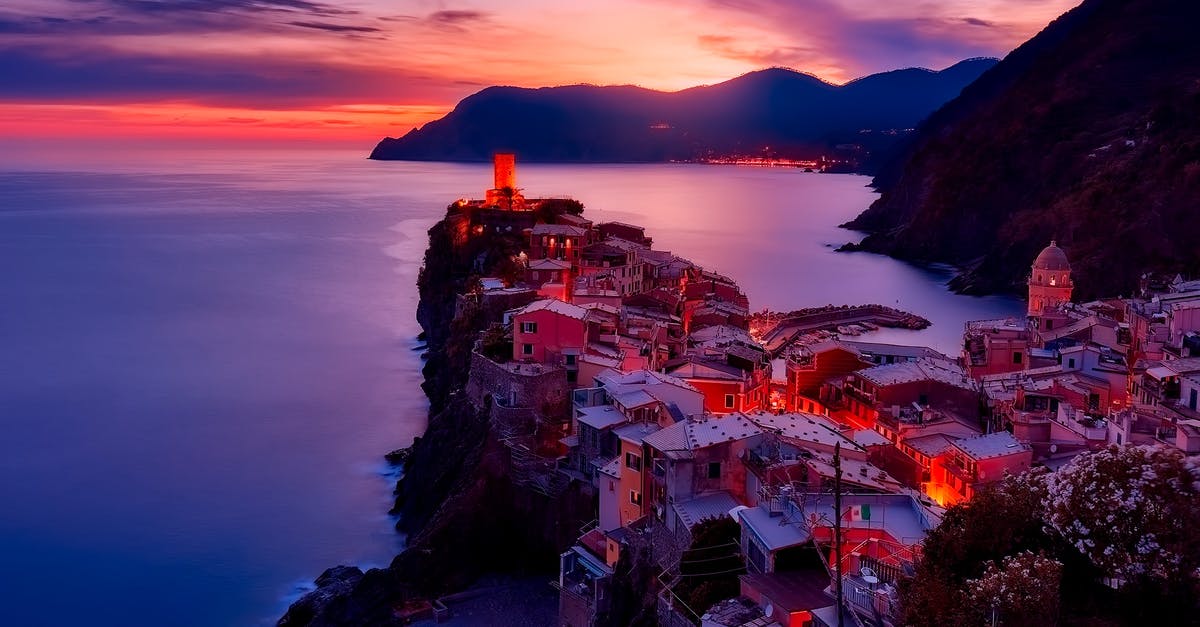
{"x": 207, "y": 353}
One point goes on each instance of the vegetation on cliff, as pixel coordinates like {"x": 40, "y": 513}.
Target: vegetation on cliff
{"x": 709, "y": 568}
{"x": 1087, "y": 134}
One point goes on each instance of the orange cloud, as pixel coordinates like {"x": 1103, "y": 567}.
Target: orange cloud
{"x": 270, "y": 68}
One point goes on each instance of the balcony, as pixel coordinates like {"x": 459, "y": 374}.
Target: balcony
{"x": 958, "y": 468}
{"x": 589, "y": 397}
{"x": 858, "y": 394}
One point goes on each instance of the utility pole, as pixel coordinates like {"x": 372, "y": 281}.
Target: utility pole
{"x": 837, "y": 526}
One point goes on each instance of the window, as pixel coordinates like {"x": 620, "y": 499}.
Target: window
{"x": 633, "y": 462}
{"x": 714, "y": 470}
{"x": 1071, "y": 362}
{"x": 527, "y": 349}
{"x": 635, "y": 497}
{"x": 922, "y": 399}
{"x": 1049, "y": 325}
{"x": 728, "y": 401}
{"x": 528, "y": 327}
{"x": 571, "y": 359}
{"x": 1016, "y": 357}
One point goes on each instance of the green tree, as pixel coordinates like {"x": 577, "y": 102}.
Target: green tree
{"x": 549, "y": 209}
{"x": 1001, "y": 520}
{"x": 709, "y": 568}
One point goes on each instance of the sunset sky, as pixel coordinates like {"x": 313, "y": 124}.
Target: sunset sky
{"x": 355, "y": 70}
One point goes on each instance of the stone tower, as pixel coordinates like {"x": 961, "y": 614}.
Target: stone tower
{"x": 505, "y": 193}
{"x": 1049, "y": 282}
{"x": 504, "y": 165}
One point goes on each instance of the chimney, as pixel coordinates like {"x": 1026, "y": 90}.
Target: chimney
{"x": 505, "y": 166}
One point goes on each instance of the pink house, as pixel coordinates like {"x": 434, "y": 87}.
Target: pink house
{"x": 551, "y": 332}
{"x": 973, "y": 462}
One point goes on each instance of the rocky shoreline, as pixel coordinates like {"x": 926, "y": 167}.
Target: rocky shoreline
{"x": 456, "y": 501}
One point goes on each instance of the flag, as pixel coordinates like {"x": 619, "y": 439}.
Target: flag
{"x": 860, "y": 512}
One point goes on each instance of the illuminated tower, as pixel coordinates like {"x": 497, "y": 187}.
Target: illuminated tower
{"x": 504, "y": 165}
{"x": 505, "y": 193}
{"x": 1049, "y": 282}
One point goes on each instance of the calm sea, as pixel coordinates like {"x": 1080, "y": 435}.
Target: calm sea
{"x": 204, "y": 355}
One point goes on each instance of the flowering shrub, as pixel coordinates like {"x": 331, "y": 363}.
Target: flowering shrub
{"x": 1131, "y": 510}
{"x": 1021, "y": 591}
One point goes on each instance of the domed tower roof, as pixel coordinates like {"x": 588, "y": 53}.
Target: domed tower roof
{"x": 1052, "y": 258}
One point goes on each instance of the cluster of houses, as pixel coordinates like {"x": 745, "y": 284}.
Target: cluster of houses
{"x": 643, "y": 384}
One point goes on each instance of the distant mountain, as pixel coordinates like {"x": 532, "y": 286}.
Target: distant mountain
{"x": 1088, "y": 133}
{"x": 776, "y": 111}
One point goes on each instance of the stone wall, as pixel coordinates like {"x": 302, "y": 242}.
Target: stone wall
{"x": 519, "y": 392}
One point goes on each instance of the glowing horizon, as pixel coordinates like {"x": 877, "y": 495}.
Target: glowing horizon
{"x": 359, "y": 70}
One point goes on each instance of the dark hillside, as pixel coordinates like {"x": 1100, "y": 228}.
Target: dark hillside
{"x": 775, "y": 111}
{"x": 1088, "y": 133}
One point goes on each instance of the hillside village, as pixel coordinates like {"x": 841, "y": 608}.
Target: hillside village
{"x": 632, "y": 374}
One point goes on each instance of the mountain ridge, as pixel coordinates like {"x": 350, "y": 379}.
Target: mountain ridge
{"x": 772, "y": 111}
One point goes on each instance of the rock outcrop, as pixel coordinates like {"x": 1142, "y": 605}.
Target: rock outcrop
{"x": 464, "y": 514}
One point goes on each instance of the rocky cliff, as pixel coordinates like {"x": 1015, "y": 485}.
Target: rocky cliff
{"x": 463, "y": 513}
{"x": 1087, "y": 133}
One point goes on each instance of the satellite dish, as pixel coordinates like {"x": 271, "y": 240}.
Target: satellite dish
{"x": 1053, "y": 448}
{"x": 768, "y": 609}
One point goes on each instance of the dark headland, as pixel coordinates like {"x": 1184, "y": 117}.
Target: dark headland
{"x": 1088, "y": 134}
{"x": 769, "y": 113}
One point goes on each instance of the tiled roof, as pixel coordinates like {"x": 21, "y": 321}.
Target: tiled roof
{"x": 559, "y": 229}
{"x": 720, "y": 332}
{"x": 714, "y": 505}
{"x": 672, "y": 438}
{"x": 612, "y": 468}
{"x": 716, "y": 429}
{"x": 698, "y": 433}
{"x": 774, "y": 532}
{"x": 869, "y": 437}
{"x": 556, "y": 306}
{"x": 921, "y": 370}
{"x": 696, "y": 367}
{"x": 549, "y": 264}
{"x": 635, "y": 398}
{"x": 600, "y": 417}
{"x": 636, "y": 432}
{"x": 625, "y": 244}
{"x": 801, "y": 426}
{"x": 930, "y": 445}
{"x": 991, "y": 445}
